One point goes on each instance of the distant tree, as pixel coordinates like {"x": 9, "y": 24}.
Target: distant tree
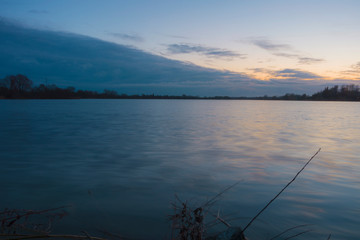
{"x": 110, "y": 93}
{"x": 41, "y": 88}
{"x": 5, "y": 83}
{"x": 70, "y": 89}
{"x": 345, "y": 93}
{"x": 18, "y": 83}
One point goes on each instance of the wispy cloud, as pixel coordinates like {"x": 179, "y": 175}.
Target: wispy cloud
{"x": 267, "y": 45}
{"x": 203, "y": 50}
{"x": 353, "y": 71}
{"x": 284, "y": 50}
{"x": 309, "y": 60}
{"x": 37, "y": 11}
{"x": 76, "y": 60}
{"x": 261, "y": 70}
{"x": 288, "y": 74}
{"x": 297, "y": 74}
{"x": 287, "y": 55}
{"x": 128, "y": 37}
{"x": 356, "y": 67}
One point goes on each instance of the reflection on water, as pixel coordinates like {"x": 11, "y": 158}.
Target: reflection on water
{"x": 120, "y": 162}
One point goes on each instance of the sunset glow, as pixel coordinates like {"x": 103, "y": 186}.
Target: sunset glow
{"x": 256, "y": 39}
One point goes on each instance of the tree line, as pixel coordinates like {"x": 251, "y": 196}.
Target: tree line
{"x": 21, "y": 87}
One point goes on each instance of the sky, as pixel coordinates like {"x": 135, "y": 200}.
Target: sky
{"x": 263, "y": 39}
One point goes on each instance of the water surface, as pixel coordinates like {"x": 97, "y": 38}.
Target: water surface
{"x": 118, "y": 163}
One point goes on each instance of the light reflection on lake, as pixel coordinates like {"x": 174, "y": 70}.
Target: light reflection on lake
{"x": 120, "y": 162}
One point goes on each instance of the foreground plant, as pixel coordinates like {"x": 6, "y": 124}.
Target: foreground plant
{"x": 188, "y": 223}
{"x": 17, "y": 224}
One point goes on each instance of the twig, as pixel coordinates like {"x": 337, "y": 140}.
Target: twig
{"x": 329, "y": 237}
{"x": 296, "y": 235}
{"x": 221, "y": 220}
{"x": 31, "y": 212}
{"x": 219, "y": 194}
{"x": 277, "y": 195}
{"x": 87, "y": 235}
{"x": 289, "y": 229}
{"x": 112, "y": 235}
{"x": 216, "y": 222}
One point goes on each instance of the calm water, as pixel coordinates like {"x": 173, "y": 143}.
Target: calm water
{"x": 118, "y": 163}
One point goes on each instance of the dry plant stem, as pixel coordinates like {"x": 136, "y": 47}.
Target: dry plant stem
{"x": 216, "y": 221}
{"x": 296, "y": 235}
{"x": 212, "y": 200}
{"x": 112, "y": 235}
{"x": 28, "y": 213}
{"x": 87, "y": 235}
{"x": 329, "y": 237}
{"x": 289, "y": 229}
{"x": 188, "y": 223}
{"x": 221, "y": 220}
{"x": 277, "y": 195}
{"x": 23, "y": 236}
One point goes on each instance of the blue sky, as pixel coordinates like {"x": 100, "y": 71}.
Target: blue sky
{"x": 257, "y": 38}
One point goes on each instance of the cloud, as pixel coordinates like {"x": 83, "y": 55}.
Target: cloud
{"x": 284, "y": 50}
{"x": 297, "y": 74}
{"x": 287, "y": 55}
{"x": 258, "y": 70}
{"x": 128, "y": 37}
{"x": 37, "y": 11}
{"x": 301, "y": 59}
{"x": 355, "y": 67}
{"x": 262, "y": 70}
{"x": 87, "y": 63}
{"x": 353, "y": 71}
{"x": 267, "y": 45}
{"x": 206, "y": 51}
{"x": 288, "y": 74}
{"x": 309, "y": 60}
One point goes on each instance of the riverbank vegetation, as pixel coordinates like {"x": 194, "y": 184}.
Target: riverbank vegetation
{"x": 21, "y": 87}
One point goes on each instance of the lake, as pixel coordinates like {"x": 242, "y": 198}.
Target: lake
{"x": 119, "y": 164}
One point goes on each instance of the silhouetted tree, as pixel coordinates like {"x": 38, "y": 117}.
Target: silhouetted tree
{"x": 110, "y": 93}
{"x": 19, "y": 83}
{"x": 5, "y": 82}
{"x": 4, "y": 88}
{"x": 70, "y": 89}
{"x": 346, "y": 93}
{"x": 19, "y": 86}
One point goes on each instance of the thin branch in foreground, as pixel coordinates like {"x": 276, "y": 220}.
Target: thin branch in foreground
{"x": 188, "y": 223}
{"x": 27, "y": 213}
{"x": 277, "y": 195}
{"x": 298, "y": 234}
{"x": 289, "y": 229}
{"x": 87, "y": 235}
{"x": 213, "y": 199}
{"x": 221, "y": 219}
{"x": 112, "y": 235}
